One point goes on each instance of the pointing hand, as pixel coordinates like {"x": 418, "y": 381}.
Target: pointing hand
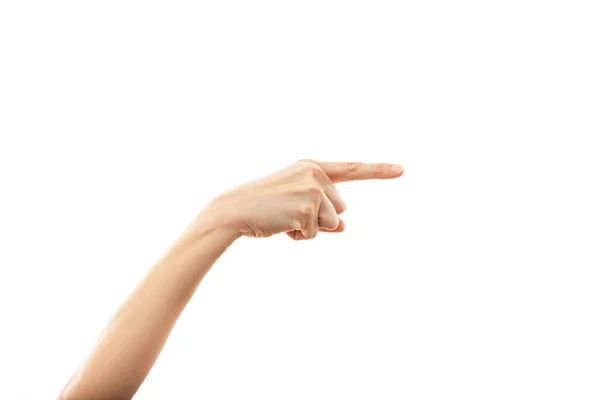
{"x": 300, "y": 200}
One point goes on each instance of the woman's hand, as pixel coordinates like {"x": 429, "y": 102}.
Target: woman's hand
{"x": 300, "y": 200}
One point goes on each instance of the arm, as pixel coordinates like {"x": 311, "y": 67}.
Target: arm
{"x": 131, "y": 343}
{"x": 299, "y": 200}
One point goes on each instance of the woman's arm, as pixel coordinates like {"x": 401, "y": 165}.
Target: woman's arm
{"x": 300, "y": 200}
{"x": 132, "y": 341}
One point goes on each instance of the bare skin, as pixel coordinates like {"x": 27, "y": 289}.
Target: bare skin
{"x": 300, "y": 200}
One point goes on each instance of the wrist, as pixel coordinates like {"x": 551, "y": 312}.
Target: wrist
{"x": 216, "y": 218}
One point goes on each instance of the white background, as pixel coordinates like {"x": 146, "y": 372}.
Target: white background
{"x": 474, "y": 276}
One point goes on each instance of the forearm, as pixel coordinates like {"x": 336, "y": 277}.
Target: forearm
{"x": 134, "y": 338}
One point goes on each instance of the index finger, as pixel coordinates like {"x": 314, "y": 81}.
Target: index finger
{"x": 354, "y": 171}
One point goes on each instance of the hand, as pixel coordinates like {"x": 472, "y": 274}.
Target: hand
{"x": 300, "y": 200}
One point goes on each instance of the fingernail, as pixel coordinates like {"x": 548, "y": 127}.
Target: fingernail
{"x": 397, "y": 169}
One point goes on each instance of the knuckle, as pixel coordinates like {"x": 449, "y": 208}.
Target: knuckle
{"x": 313, "y": 172}
{"x": 314, "y": 169}
{"x": 307, "y": 165}
{"x": 308, "y": 169}
{"x": 319, "y": 174}
{"x": 307, "y": 210}
{"x": 380, "y": 169}
{"x": 353, "y": 167}
{"x": 313, "y": 192}
{"x": 305, "y": 160}
{"x": 341, "y": 208}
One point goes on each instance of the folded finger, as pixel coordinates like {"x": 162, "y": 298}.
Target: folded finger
{"x": 340, "y": 228}
{"x": 328, "y": 218}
